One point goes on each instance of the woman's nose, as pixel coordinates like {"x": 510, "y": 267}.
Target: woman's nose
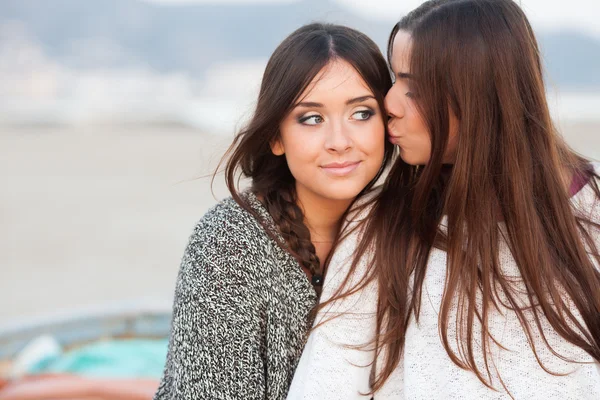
{"x": 393, "y": 104}
{"x": 338, "y": 139}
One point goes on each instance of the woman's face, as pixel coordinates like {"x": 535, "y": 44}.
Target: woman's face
{"x": 334, "y": 137}
{"x": 407, "y": 128}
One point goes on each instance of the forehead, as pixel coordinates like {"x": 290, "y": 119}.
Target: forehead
{"x": 401, "y": 48}
{"x": 336, "y": 78}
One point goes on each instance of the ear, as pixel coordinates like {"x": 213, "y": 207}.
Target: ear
{"x": 277, "y": 147}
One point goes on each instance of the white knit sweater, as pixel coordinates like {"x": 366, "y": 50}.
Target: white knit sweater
{"x": 330, "y": 369}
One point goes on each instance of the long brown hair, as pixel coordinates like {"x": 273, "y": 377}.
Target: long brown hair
{"x": 289, "y": 71}
{"x": 479, "y": 60}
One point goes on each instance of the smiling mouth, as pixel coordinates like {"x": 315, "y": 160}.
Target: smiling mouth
{"x": 340, "y": 169}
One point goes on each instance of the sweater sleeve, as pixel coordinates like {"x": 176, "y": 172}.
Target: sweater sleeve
{"x": 216, "y": 345}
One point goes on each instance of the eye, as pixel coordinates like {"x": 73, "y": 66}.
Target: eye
{"x": 410, "y": 95}
{"x": 363, "y": 115}
{"x": 314, "y": 119}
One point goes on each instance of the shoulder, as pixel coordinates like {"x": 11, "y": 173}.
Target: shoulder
{"x": 229, "y": 241}
{"x": 361, "y": 209}
{"x": 228, "y": 221}
{"x": 356, "y": 219}
{"x": 354, "y": 224}
{"x": 224, "y": 216}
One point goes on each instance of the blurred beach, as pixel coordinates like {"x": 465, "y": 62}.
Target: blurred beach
{"x": 100, "y": 216}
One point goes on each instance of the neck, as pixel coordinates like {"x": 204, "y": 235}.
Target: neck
{"x": 322, "y": 216}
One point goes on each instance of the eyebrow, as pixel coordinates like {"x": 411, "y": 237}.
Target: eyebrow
{"x": 310, "y": 104}
{"x": 404, "y": 75}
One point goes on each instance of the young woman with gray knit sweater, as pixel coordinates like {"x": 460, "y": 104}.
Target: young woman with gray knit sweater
{"x": 251, "y": 273}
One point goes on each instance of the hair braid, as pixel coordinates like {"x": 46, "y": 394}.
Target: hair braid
{"x": 289, "y": 219}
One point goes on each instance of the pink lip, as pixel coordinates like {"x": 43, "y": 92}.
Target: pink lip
{"x": 393, "y": 139}
{"x": 340, "y": 169}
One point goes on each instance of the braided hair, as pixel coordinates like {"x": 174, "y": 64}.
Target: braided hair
{"x": 289, "y": 219}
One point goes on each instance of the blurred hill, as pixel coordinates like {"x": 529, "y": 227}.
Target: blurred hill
{"x": 168, "y": 38}
{"x": 117, "y": 33}
{"x": 87, "y": 60}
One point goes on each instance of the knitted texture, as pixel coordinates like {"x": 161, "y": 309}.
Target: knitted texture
{"x": 241, "y": 311}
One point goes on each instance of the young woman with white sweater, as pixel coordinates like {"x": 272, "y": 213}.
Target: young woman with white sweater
{"x": 475, "y": 275}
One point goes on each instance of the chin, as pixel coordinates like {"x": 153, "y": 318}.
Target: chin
{"x": 341, "y": 194}
{"x": 408, "y": 160}
{"x": 412, "y": 160}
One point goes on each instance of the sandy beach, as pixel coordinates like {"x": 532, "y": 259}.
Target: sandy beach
{"x": 98, "y": 216}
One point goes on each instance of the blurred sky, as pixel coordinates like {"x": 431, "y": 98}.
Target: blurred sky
{"x": 544, "y": 14}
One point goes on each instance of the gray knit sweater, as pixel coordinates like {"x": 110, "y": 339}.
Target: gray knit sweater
{"x": 241, "y": 311}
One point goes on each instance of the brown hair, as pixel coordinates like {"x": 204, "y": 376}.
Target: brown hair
{"x": 291, "y": 68}
{"x": 479, "y": 60}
